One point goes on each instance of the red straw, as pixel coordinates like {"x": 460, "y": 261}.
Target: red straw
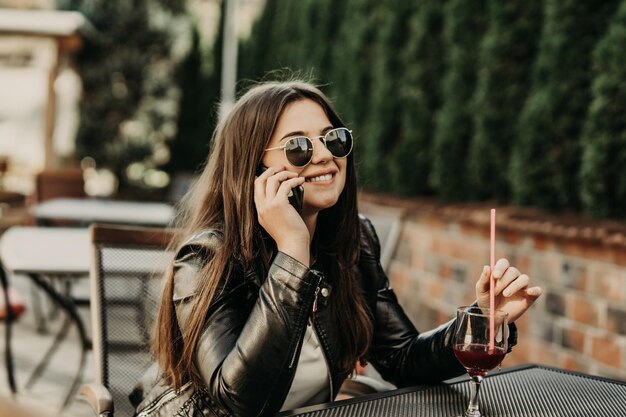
{"x": 492, "y": 296}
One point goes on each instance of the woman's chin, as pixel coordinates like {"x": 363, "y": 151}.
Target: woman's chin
{"x": 319, "y": 204}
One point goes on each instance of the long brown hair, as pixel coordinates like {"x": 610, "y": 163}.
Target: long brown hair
{"x": 222, "y": 198}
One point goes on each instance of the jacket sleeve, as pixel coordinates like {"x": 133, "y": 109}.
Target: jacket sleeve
{"x": 400, "y": 353}
{"x": 249, "y": 348}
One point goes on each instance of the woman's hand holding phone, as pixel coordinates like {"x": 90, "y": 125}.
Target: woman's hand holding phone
{"x": 279, "y": 218}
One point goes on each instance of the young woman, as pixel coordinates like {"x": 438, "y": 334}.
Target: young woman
{"x": 269, "y": 307}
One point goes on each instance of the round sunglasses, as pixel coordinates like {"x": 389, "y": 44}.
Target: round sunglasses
{"x": 299, "y": 149}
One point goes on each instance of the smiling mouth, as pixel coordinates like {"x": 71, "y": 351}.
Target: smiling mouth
{"x": 319, "y": 178}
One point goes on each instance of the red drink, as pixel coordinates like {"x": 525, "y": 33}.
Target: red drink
{"x": 477, "y": 359}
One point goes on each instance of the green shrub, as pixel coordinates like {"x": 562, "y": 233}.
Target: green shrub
{"x": 419, "y": 97}
{"x": 546, "y": 157}
{"x": 506, "y": 56}
{"x": 603, "y": 183}
{"x": 382, "y": 129}
{"x": 129, "y": 107}
{"x": 465, "y": 23}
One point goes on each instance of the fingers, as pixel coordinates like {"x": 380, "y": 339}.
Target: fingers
{"x": 534, "y": 292}
{"x": 517, "y": 284}
{"x": 482, "y": 285}
{"x": 500, "y": 267}
{"x": 260, "y": 182}
{"x": 275, "y": 182}
{"x": 508, "y": 279}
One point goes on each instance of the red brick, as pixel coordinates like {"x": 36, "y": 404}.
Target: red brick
{"x": 556, "y": 303}
{"x": 619, "y": 257}
{"x": 574, "y": 338}
{"x": 584, "y": 310}
{"x": 597, "y": 252}
{"x": 543, "y": 353}
{"x": 523, "y": 323}
{"x": 608, "y": 283}
{"x": 434, "y": 222}
{"x": 573, "y": 247}
{"x": 398, "y": 276}
{"x": 605, "y": 349}
{"x": 572, "y": 363}
{"x": 519, "y": 355}
{"x": 541, "y": 242}
{"x": 523, "y": 264}
{"x": 616, "y": 319}
{"x": 574, "y": 274}
{"x": 511, "y": 237}
{"x": 433, "y": 288}
{"x": 552, "y": 268}
{"x": 473, "y": 230}
{"x": 444, "y": 270}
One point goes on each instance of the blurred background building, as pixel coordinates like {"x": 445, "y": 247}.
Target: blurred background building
{"x": 42, "y": 91}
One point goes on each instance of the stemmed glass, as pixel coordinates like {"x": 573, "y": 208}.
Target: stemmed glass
{"x": 472, "y": 346}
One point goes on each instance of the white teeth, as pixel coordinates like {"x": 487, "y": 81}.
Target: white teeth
{"x": 326, "y": 177}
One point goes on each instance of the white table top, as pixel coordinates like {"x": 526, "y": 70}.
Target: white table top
{"x": 89, "y": 210}
{"x": 51, "y": 250}
{"x": 68, "y": 251}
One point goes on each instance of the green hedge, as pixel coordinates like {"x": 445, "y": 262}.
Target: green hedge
{"x": 503, "y": 81}
{"x": 517, "y": 102}
{"x": 418, "y": 97}
{"x": 466, "y": 99}
{"x": 602, "y": 177}
{"x": 546, "y": 156}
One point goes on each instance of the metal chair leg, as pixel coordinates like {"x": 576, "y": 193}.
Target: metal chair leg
{"x": 8, "y": 353}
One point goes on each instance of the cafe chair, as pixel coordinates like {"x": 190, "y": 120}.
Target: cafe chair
{"x": 126, "y": 274}
{"x": 67, "y": 182}
{"x": 388, "y": 229}
{"x": 51, "y": 184}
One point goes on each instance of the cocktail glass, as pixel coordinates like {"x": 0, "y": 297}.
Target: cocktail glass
{"x": 473, "y": 347}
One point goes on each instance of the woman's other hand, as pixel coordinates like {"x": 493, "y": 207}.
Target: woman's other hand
{"x": 279, "y": 218}
{"x": 513, "y": 293}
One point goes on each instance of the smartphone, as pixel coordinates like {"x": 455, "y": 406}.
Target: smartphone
{"x": 296, "y": 196}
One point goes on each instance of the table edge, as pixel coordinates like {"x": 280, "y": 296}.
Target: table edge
{"x": 451, "y": 381}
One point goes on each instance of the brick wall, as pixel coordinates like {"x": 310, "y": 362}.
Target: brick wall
{"x": 579, "y": 323}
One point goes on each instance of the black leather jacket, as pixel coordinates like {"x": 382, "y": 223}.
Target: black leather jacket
{"x": 254, "y": 331}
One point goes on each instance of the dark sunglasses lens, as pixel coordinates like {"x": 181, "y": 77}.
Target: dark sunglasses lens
{"x": 339, "y": 142}
{"x": 299, "y": 151}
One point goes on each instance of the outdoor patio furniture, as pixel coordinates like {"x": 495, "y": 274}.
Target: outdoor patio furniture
{"x": 84, "y": 211}
{"x": 51, "y": 184}
{"x": 12, "y": 308}
{"x": 528, "y": 390}
{"x": 128, "y": 264}
{"x": 39, "y": 253}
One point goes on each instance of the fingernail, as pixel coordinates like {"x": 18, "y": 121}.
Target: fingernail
{"x": 485, "y": 269}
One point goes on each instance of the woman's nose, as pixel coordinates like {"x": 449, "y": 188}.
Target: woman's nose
{"x": 320, "y": 152}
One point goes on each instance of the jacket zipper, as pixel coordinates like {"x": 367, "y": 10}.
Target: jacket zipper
{"x": 323, "y": 343}
{"x": 322, "y": 339}
{"x": 314, "y": 309}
